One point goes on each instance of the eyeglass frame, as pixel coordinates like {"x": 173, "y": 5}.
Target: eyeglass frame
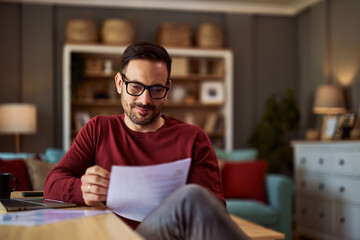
{"x": 123, "y": 76}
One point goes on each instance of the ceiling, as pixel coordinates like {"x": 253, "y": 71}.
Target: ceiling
{"x": 270, "y": 7}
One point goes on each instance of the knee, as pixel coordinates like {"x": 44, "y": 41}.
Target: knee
{"x": 193, "y": 192}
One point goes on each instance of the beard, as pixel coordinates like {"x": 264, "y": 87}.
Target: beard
{"x": 139, "y": 118}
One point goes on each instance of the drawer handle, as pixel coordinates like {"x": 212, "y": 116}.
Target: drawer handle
{"x": 342, "y": 162}
{"x": 321, "y": 186}
{"x": 342, "y": 189}
{"x": 321, "y": 215}
{"x": 342, "y": 220}
{"x": 321, "y": 161}
{"x": 303, "y": 160}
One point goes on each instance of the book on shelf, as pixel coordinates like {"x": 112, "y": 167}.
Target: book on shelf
{"x": 214, "y": 123}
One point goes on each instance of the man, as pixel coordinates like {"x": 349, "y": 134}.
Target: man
{"x": 142, "y": 136}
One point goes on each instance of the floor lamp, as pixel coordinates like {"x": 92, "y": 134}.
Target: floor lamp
{"x": 17, "y": 118}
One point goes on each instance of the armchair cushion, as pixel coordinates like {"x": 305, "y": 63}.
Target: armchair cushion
{"x": 38, "y": 171}
{"x": 253, "y": 211}
{"x": 244, "y": 180}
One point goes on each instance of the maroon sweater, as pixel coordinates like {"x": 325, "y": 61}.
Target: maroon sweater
{"x": 107, "y": 141}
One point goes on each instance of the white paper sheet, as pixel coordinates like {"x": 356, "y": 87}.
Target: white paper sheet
{"x": 134, "y": 191}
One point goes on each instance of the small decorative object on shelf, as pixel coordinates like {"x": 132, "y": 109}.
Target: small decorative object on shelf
{"x": 108, "y": 65}
{"x": 117, "y": 31}
{"x": 81, "y": 31}
{"x": 312, "y": 134}
{"x": 171, "y": 36}
{"x": 81, "y": 118}
{"x": 177, "y": 93}
{"x": 212, "y": 92}
{"x": 180, "y": 66}
{"x": 94, "y": 66}
{"x": 328, "y": 127}
{"x": 210, "y": 122}
{"x": 345, "y": 124}
{"x": 209, "y": 36}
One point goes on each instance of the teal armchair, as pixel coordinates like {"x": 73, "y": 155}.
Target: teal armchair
{"x": 277, "y": 213}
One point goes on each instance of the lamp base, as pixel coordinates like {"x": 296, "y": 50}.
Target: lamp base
{"x": 17, "y": 142}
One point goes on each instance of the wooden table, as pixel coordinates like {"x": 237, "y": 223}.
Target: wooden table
{"x": 256, "y": 231}
{"x": 106, "y": 226}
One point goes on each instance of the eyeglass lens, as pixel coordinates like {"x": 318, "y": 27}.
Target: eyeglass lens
{"x": 137, "y": 89}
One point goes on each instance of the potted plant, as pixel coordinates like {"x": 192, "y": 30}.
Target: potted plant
{"x": 272, "y": 135}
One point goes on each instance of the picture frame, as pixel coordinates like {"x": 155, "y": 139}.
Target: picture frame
{"x": 345, "y": 123}
{"x": 212, "y": 92}
{"x": 328, "y": 128}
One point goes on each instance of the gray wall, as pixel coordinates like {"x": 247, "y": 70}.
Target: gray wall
{"x": 10, "y": 62}
{"x": 271, "y": 53}
{"x": 345, "y": 48}
{"x": 26, "y": 69}
{"x": 329, "y": 52}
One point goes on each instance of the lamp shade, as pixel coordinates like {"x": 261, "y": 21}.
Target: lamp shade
{"x": 17, "y": 118}
{"x": 329, "y": 99}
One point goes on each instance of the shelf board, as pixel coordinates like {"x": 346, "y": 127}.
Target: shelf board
{"x": 197, "y": 77}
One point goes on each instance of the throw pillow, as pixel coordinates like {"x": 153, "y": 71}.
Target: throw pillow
{"x": 18, "y": 168}
{"x": 38, "y": 171}
{"x": 245, "y": 180}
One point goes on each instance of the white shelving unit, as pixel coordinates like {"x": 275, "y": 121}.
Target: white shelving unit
{"x": 225, "y": 55}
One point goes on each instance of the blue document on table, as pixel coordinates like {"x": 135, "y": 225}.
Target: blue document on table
{"x": 44, "y": 216}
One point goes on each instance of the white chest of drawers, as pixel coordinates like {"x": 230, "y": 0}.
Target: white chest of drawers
{"x": 327, "y": 195}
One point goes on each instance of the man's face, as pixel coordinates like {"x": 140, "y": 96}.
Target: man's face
{"x": 143, "y": 110}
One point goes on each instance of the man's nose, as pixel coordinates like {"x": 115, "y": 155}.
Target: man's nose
{"x": 145, "y": 97}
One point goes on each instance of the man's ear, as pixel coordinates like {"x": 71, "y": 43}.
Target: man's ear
{"x": 118, "y": 82}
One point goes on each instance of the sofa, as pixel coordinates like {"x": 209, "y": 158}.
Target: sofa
{"x": 254, "y": 194}
{"x": 31, "y": 169}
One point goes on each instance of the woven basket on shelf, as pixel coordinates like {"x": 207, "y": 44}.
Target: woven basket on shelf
{"x": 171, "y": 36}
{"x": 117, "y": 32}
{"x": 81, "y": 31}
{"x": 209, "y": 36}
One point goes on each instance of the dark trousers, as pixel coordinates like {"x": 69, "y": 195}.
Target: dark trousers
{"x": 191, "y": 212}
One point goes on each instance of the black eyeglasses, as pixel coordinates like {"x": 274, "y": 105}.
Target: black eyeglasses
{"x": 136, "y": 89}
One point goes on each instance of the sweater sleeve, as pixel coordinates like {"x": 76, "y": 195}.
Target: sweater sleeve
{"x": 63, "y": 182}
{"x": 205, "y": 169}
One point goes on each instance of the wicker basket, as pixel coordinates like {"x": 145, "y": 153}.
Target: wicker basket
{"x": 209, "y": 36}
{"x": 81, "y": 31}
{"x": 117, "y": 32}
{"x": 171, "y": 36}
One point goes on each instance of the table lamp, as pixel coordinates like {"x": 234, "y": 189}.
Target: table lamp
{"x": 329, "y": 101}
{"x": 17, "y": 118}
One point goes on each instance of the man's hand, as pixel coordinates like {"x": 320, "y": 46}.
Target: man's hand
{"x": 95, "y": 185}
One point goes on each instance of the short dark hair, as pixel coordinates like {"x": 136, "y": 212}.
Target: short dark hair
{"x": 148, "y": 51}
